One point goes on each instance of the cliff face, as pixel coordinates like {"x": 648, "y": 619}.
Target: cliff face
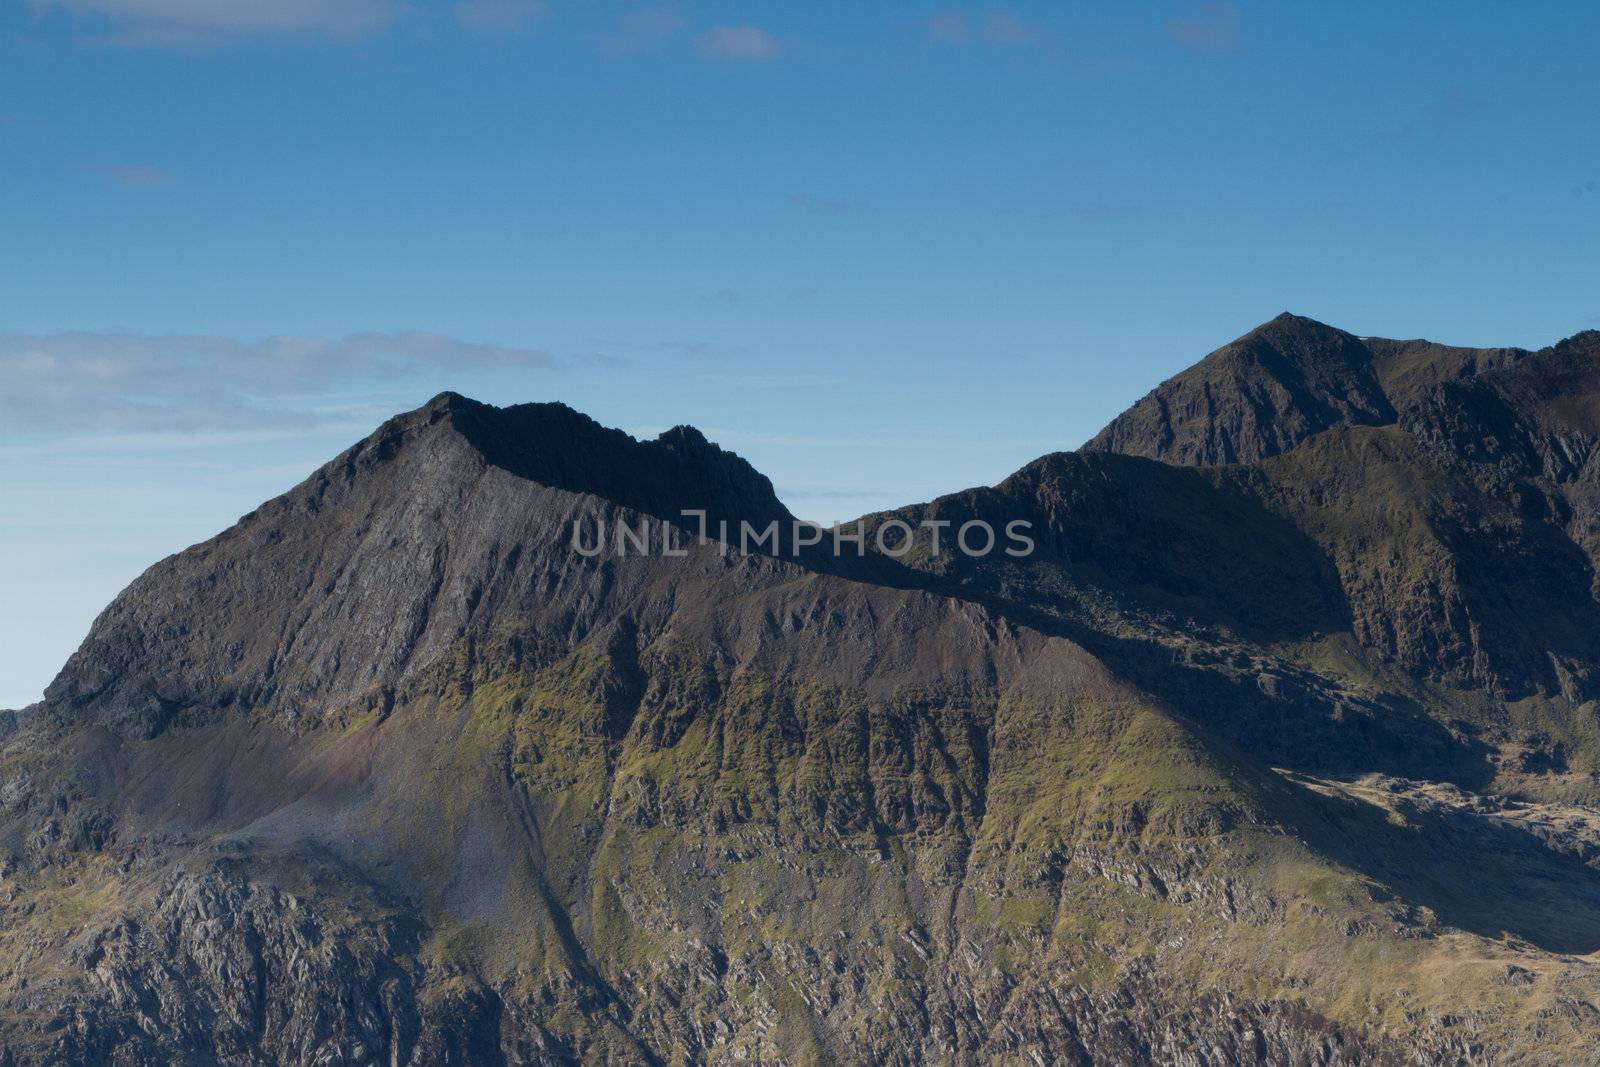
{"x": 1279, "y": 748}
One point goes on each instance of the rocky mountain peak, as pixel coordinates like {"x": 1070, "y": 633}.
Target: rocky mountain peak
{"x": 454, "y": 517}
{"x": 554, "y": 445}
{"x": 1259, "y": 395}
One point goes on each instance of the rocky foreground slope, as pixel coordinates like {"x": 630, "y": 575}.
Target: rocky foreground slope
{"x": 1281, "y": 747}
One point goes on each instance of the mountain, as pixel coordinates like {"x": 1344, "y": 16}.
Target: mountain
{"x": 441, "y": 523}
{"x": 1260, "y": 395}
{"x": 1279, "y": 746}
{"x": 1284, "y": 382}
{"x": 1457, "y": 502}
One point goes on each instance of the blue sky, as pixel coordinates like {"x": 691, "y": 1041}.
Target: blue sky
{"x": 883, "y": 251}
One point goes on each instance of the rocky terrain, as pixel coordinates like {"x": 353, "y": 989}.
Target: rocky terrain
{"x": 1282, "y": 747}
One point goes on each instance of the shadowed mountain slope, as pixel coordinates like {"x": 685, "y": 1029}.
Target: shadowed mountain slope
{"x": 1282, "y": 751}
{"x": 1457, "y": 503}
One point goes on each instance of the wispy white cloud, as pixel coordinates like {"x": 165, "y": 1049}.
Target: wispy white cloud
{"x": 128, "y": 383}
{"x": 748, "y": 44}
{"x": 604, "y": 360}
{"x": 499, "y": 16}
{"x": 687, "y": 348}
{"x": 990, "y": 26}
{"x": 643, "y": 30}
{"x": 201, "y": 23}
{"x": 103, "y": 447}
{"x": 1212, "y": 28}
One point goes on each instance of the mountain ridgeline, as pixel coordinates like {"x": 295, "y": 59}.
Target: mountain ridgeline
{"x": 1281, "y": 746}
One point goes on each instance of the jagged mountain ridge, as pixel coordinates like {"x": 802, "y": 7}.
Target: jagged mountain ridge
{"x": 266, "y": 608}
{"x": 1289, "y": 379}
{"x": 1227, "y": 772}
